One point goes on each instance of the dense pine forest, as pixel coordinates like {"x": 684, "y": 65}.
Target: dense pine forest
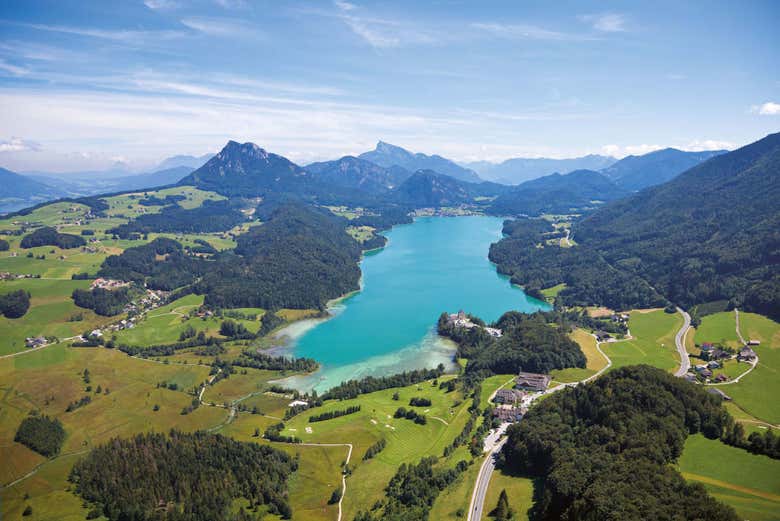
{"x": 195, "y": 477}
{"x": 48, "y": 236}
{"x": 604, "y": 450}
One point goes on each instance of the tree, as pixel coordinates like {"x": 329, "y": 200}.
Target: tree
{"x": 502, "y": 511}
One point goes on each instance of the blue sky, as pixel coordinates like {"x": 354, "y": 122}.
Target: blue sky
{"x": 87, "y": 85}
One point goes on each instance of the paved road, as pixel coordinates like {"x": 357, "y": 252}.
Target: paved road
{"x": 483, "y": 481}
{"x": 679, "y": 341}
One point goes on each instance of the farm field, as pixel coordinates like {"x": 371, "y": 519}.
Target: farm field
{"x": 652, "y": 344}
{"x": 595, "y": 360}
{"x": 52, "y": 313}
{"x": 748, "y": 482}
{"x": 718, "y": 328}
{"x": 757, "y": 392}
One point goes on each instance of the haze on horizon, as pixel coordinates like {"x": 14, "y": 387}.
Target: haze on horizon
{"x": 88, "y": 85}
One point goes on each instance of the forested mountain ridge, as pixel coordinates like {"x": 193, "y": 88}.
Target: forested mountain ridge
{"x": 712, "y": 233}
{"x": 354, "y": 172}
{"x": 248, "y": 170}
{"x": 18, "y": 191}
{"x": 388, "y": 155}
{"x": 655, "y": 168}
{"x": 557, "y": 193}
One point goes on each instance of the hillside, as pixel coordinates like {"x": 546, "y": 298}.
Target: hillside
{"x": 388, "y": 155}
{"x": 710, "y": 234}
{"x": 246, "y": 169}
{"x": 520, "y": 169}
{"x": 18, "y": 191}
{"x": 655, "y": 168}
{"x": 353, "y": 172}
{"x": 426, "y": 188}
{"x": 557, "y": 193}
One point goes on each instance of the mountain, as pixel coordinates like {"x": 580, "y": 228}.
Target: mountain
{"x": 518, "y": 170}
{"x": 710, "y": 234}
{"x": 388, "y": 155}
{"x": 654, "y": 168}
{"x": 353, "y": 172}
{"x": 191, "y": 162}
{"x": 248, "y": 170}
{"x": 18, "y": 191}
{"x": 426, "y": 189}
{"x": 558, "y": 193}
{"x": 168, "y": 176}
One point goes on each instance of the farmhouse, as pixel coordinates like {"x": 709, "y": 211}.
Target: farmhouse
{"x": 532, "y": 381}
{"x": 753, "y": 343}
{"x": 602, "y": 336}
{"x": 746, "y": 354}
{"x": 509, "y": 396}
{"x": 721, "y": 378}
{"x": 718, "y": 392}
{"x": 34, "y": 341}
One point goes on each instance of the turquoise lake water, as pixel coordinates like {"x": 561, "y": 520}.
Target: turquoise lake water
{"x": 435, "y": 264}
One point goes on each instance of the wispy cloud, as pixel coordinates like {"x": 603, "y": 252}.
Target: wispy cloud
{"x": 119, "y": 35}
{"x": 15, "y": 70}
{"x": 16, "y": 144}
{"x": 222, "y": 27}
{"x": 523, "y": 31}
{"x": 606, "y": 22}
{"x": 161, "y": 4}
{"x": 231, "y": 4}
{"x": 697, "y": 145}
{"x": 382, "y": 33}
{"x": 769, "y": 108}
{"x": 701, "y": 145}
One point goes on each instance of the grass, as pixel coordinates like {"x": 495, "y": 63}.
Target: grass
{"x": 551, "y": 293}
{"x": 652, "y": 344}
{"x": 519, "y": 490}
{"x": 595, "y": 360}
{"x": 718, "y": 328}
{"x": 757, "y": 392}
{"x": 49, "y": 379}
{"x": 750, "y": 483}
{"x": 51, "y": 309}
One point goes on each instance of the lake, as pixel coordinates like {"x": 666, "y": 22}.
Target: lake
{"x": 433, "y": 265}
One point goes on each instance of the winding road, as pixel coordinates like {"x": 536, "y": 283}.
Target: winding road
{"x": 679, "y": 341}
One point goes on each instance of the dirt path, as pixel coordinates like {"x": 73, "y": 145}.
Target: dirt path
{"x": 343, "y": 474}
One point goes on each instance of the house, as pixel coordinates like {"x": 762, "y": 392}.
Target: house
{"x": 705, "y": 373}
{"x": 508, "y": 396}
{"x": 460, "y": 319}
{"x": 746, "y": 354}
{"x": 721, "y": 378}
{"x": 34, "y": 341}
{"x": 494, "y": 332}
{"x": 705, "y": 346}
{"x": 508, "y": 414}
{"x": 718, "y": 392}
{"x": 700, "y": 367}
{"x": 602, "y": 336}
{"x": 532, "y": 381}
{"x": 753, "y": 343}
{"x": 714, "y": 364}
{"x": 297, "y": 403}
{"x": 690, "y": 378}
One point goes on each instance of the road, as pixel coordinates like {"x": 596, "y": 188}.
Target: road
{"x": 343, "y": 474}
{"x": 679, "y": 341}
{"x": 739, "y": 333}
{"x": 483, "y": 481}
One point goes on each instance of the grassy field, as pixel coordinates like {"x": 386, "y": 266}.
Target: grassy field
{"x": 757, "y": 392}
{"x": 551, "y": 293}
{"x": 519, "y": 490}
{"x": 49, "y": 379}
{"x": 51, "y": 313}
{"x": 719, "y": 328}
{"x": 595, "y": 360}
{"x": 748, "y": 482}
{"x": 653, "y": 341}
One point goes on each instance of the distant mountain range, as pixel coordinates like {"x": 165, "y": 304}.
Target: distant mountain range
{"x": 558, "y": 193}
{"x": 518, "y": 170}
{"x": 191, "y": 162}
{"x": 655, "y": 168}
{"x": 388, "y": 155}
{"x": 18, "y": 191}
{"x": 354, "y": 172}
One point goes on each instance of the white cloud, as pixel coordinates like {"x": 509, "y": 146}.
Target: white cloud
{"x": 696, "y": 145}
{"x": 629, "y": 150}
{"x": 769, "y": 108}
{"x": 231, "y": 4}
{"x": 527, "y": 32}
{"x": 223, "y": 27}
{"x": 16, "y": 144}
{"x": 119, "y": 35}
{"x": 161, "y": 4}
{"x": 606, "y": 22}
{"x": 15, "y": 70}
{"x": 381, "y": 33}
{"x": 344, "y": 6}
{"x": 708, "y": 144}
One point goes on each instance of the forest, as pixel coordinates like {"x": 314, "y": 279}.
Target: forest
{"x": 354, "y": 388}
{"x": 536, "y": 343}
{"x": 48, "y": 236}
{"x": 589, "y": 279}
{"x": 604, "y": 450}
{"x": 713, "y": 233}
{"x": 103, "y": 301}
{"x": 212, "y": 216}
{"x": 194, "y": 476}
{"x": 14, "y": 304}
{"x": 42, "y": 434}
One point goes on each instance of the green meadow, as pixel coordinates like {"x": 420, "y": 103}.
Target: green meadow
{"x": 718, "y": 328}
{"x": 595, "y": 360}
{"x": 652, "y": 343}
{"x": 750, "y": 483}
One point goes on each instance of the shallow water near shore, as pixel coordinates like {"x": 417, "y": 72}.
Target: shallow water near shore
{"x": 433, "y": 265}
